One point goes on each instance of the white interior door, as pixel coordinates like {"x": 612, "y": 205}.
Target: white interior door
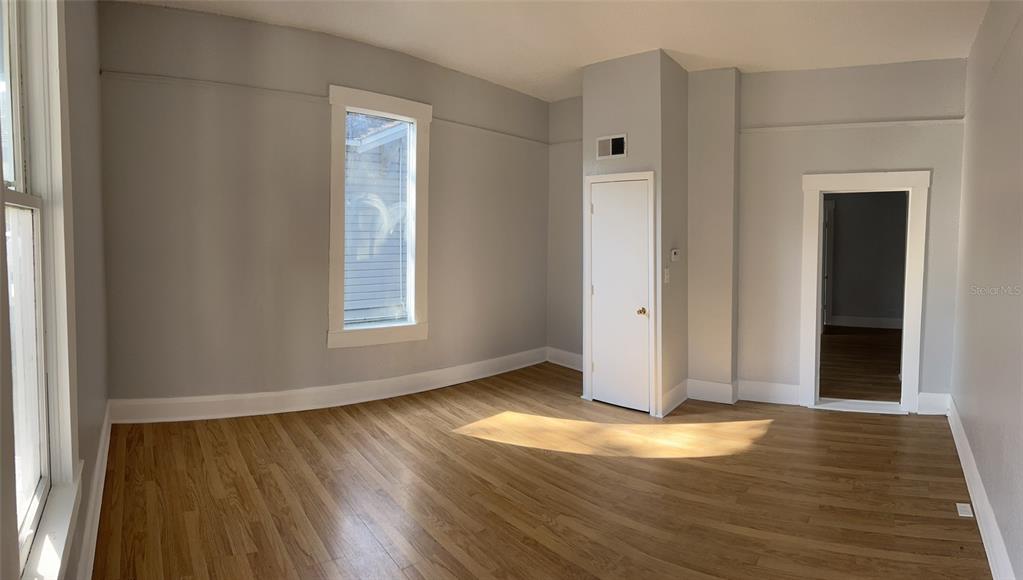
{"x": 620, "y": 272}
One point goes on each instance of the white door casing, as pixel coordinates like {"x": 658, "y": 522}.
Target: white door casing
{"x": 828, "y": 265}
{"x": 917, "y": 186}
{"x": 620, "y": 311}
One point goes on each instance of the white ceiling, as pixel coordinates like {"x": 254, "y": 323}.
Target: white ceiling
{"x": 539, "y": 47}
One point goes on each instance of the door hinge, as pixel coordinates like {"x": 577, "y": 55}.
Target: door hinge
{"x": 592, "y": 209}
{"x": 592, "y": 290}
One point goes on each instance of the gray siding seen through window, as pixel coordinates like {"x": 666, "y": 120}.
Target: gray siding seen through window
{"x": 377, "y": 224}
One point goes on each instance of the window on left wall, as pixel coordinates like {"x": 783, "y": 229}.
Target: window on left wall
{"x": 22, "y": 210}
{"x": 39, "y": 464}
{"x": 379, "y": 196}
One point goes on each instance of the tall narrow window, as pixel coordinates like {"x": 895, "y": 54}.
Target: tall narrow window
{"x": 379, "y": 229}
{"x": 10, "y": 125}
{"x": 31, "y": 457}
{"x": 379, "y": 177}
{"x": 29, "y": 395}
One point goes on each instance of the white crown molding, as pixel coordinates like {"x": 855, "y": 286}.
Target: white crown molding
{"x": 929, "y": 122}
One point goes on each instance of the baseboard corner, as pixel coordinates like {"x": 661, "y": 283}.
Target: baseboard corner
{"x": 712, "y": 392}
{"x": 565, "y": 358}
{"x": 673, "y": 398}
{"x": 933, "y": 404}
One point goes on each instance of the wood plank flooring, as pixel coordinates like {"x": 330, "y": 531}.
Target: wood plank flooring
{"x": 515, "y": 476}
{"x": 861, "y": 363}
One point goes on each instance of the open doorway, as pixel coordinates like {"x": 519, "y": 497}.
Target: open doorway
{"x": 863, "y": 286}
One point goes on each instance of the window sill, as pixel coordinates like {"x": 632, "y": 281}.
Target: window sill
{"x": 372, "y": 335}
{"x": 48, "y": 558}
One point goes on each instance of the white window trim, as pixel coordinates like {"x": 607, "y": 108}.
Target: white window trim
{"x": 46, "y": 176}
{"x": 343, "y": 100}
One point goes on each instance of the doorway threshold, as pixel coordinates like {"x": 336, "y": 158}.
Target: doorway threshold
{"x": 849, "y": 405}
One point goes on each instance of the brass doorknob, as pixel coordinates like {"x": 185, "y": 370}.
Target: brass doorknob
{"x": 641, "y": 311}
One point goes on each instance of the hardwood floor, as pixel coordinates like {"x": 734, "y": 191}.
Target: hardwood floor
{"x": 861, "y": 363}
{"x": 515, "y": 476}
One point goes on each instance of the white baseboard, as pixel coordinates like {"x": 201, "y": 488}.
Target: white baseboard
{"x": 711, "y": 391}
{"x": 564, "y": 358}
{"x": 933, "y": 404}
{"x": 673, "y": 398}
{"x": 866, "y": 322}
{"x": 853, "y": 406}
{"x": 994, "y": 544}
{"x": 90, "y": 531}
{"x": 242, "y": 405}
{"x": 765, "y": 392}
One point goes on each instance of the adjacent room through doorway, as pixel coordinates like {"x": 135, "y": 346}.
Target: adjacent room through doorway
{"x": 864, "y": 272}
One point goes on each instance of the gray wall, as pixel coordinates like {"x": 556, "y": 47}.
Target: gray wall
{"x": 623, "y": 96}
{"x": 674, "y": 184}
{"x": 646, "y": 96}
{"x": 86, "y": 191}
{"x": 565, "y": 227}
{"x": 216, "y": 199}
{"x": 772, "y": 163}
{"x": 713, "y": 207}
{"x": 869, "y": 252}
{"x": 891, "y": 92}
{"x": 987, "y": 374}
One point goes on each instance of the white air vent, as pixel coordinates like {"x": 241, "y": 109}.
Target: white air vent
{"x": 611, "y": 146}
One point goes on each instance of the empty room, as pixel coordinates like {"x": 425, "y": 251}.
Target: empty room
{"x": 323, "y": 289}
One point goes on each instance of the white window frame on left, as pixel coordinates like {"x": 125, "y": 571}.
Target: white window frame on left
{"x": 43, "y": 184}
{"x": 342, "y": 101}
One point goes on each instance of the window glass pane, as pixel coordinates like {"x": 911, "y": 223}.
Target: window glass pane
{"x": 377, "y": 224}
{"x": 29, "y": 394}
{"x": 6, "y": 103}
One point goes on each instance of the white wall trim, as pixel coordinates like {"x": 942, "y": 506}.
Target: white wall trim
{"x": 917, "y": 184}
{"x": 854, "y": 406}
{"x": 934, "y": 404}
{"x": 765, "y": 392}
{"x": 711, "y": 391}
{"x": 673, "y": 398}
{"x": 990, "y": 534}
{"x": 565, "y": 358}
{"x": 866, "y": 322}
{"x": 927, "y": 122}
{"x": 246, "y": 404}
{"x": 90, "y": 531}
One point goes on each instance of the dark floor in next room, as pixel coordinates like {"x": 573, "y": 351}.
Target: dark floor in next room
{"x": 861, "y": 363}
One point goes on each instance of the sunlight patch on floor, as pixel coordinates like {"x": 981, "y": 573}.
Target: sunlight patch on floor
{"x": 653, "y": 441}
